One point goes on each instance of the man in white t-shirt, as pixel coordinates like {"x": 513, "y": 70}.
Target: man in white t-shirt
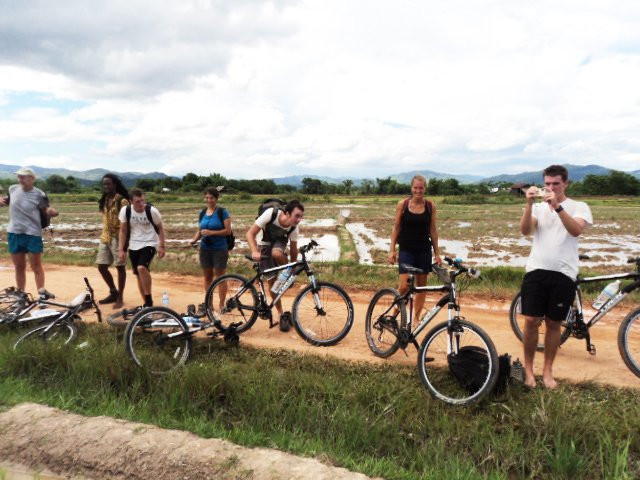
{"x": 142, "y": 232}
{"x": 268, "y": 238}
{"x": 548, "y": 287}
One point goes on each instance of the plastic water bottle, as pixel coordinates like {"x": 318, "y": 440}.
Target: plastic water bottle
{"x": 165, "y": 299}
{"x": 287, "y": 283}
{"x": 282, "y": 277}
{"x": 608, "y": 292}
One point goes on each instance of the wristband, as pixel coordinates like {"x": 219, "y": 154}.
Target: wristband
{"x": 559, "y": 209}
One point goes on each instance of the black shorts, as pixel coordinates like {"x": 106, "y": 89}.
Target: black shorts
{"x": 421, "y": 260}
{"x": 546, "y": 293}
{"x": 141, "y": 257}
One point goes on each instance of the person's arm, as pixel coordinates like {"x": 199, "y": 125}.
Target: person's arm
{"x": 574, "y": 226}
{"x": 528, "y": 222}
{"x": 4, "y": 201}
{"x": 52, "y": 212}
{"x": 253, "y": 244}
{"x": 196, "y": 237}
{"x": 293, "y": 250}
{"x": 395, "y": 231}
{"x": 122, "y": 237}
{"x": 161, "y": 240}
{"x": 433, "y": 233}
{"x": 223, "y": 232}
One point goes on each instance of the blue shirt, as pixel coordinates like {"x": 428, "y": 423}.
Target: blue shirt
{"x": 212, "y": 222}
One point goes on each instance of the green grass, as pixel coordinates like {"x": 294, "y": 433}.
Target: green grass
{"x": 374, "y": 419}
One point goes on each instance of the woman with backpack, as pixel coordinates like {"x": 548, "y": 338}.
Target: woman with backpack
{"x": 415, "y": 231}
{"x": 214, "y": 226}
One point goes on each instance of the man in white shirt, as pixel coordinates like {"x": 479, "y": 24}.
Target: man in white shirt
{"x": 548, "y": 287}
{"x": 268, "y": 238}
{"x": 142, "y": 232}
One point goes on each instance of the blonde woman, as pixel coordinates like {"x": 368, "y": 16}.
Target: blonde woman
{"x": 415, "y": 231}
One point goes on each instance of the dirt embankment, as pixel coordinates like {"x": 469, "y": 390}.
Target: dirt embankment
{"x": 105, "y": 448}
{"x": 573, "y": 362}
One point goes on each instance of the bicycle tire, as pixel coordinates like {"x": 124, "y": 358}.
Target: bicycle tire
{"x": 240, "y": 306}
{"x": 122, "y": 318}
{"x": 629, "y": 341}
{"x": 381, "y": 322}
{"x": 329, "y": 326}
{"x": 149, "y": 345}
{"x": 516, "y": 319}
{"x": 11, "y": 302}
{"x": 433, "y": 362}
{"x": 61, "y": 333}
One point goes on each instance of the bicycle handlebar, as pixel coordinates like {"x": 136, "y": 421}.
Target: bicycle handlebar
{"x": 93, "y": 300}
{"x": 457, "y": 263}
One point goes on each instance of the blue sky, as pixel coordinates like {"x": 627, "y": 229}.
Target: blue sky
{"x": 255, "y": 89}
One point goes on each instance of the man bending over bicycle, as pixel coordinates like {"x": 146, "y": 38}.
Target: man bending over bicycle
{"x": 548, "y": 288}
{"x": 268, "y": 238}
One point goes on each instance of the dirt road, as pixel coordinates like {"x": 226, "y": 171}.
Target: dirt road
{"x": 573, "y": 362}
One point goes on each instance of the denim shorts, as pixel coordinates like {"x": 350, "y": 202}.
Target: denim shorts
{"x": 421, "y": 260}
{"x": 23, "y": 243}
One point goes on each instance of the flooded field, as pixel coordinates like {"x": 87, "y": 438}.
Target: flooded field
{"x": 484, "y": 235}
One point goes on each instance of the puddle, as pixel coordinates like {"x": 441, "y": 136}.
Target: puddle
{"x": 321, "y": 222}
{"x": 328, "y": 249}
{"x": 360, "y": 235}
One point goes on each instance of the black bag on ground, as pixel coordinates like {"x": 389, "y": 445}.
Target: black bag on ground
{"x": 471, "y": 366}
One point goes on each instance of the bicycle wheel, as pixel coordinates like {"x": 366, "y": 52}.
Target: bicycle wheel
{"x": 57, "y": 334}
{"x": 386, "y": 314}
{"x": 322, "y": 317}
{"x": 10, "y": 302}
{"x": 232, "y": 299}
{"x": 443, "y": 346}
{"x": 629, "y": 341}
{"x": 516, "y": 318}
{"x": 158, "y": 340}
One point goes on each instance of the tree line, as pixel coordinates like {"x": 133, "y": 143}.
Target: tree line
{"x": 615, "y": 183}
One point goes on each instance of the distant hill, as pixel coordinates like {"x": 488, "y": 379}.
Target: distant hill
{"x": 399, "y": 177}
{"x": 86, "y": 177}
{"x": 576, "y": 173}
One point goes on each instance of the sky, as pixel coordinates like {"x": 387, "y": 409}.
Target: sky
{"x": 261, "y": 89}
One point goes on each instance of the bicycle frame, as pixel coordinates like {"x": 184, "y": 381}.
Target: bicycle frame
{"x": 613, "y": 301}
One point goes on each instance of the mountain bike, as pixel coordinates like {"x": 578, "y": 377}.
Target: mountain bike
{"x": 20, "y": 309}
{"x": 388, "y": 328}
{"x": 159, "y": 339}
{"x": 62, "y": 329}
{"x": 576, "y": 326}
{"x": 322, "y": 313}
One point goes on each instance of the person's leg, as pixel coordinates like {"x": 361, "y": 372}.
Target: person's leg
{"x": 222, "y": 291}
{"x": 207, "y": 277}
{"x": 107, "y": 277}
{"x": 122, "y": 281}
{"x": 279, "y": 258}
{"x": 144, "y": 284}
{"x": 530, "y": 342}
{"x": 551, "y": 345}
{"x": 20, "y": 265}
{"x": 35, "y": 259}
{"x": 421, "y": 281}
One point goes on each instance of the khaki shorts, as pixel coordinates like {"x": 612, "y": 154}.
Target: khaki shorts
{"x": 267, "y": 261}
{"x": 108, "y": 254}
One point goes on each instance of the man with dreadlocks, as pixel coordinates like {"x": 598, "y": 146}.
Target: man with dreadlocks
{"x": 114, "y": 197}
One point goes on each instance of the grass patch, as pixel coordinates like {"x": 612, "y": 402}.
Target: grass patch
{"x": 374, "y": 419}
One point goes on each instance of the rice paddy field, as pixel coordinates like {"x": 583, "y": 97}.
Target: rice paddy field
{"x": 483, "y": 234}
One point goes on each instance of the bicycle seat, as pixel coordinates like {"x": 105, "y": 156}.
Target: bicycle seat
{"x": 410, "y": 269}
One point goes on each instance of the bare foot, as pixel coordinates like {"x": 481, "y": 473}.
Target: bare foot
{"x": 549, "y": 382}
{"x": 118, "y": 304}
{"x": 529, "y": 380}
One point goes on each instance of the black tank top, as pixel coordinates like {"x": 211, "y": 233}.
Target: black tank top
{"x": 414, "y": 230}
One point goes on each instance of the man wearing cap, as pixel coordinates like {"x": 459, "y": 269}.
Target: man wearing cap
{"x": 28, "y": 206}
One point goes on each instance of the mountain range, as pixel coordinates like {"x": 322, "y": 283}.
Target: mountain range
{"x": 88, "y": 177}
